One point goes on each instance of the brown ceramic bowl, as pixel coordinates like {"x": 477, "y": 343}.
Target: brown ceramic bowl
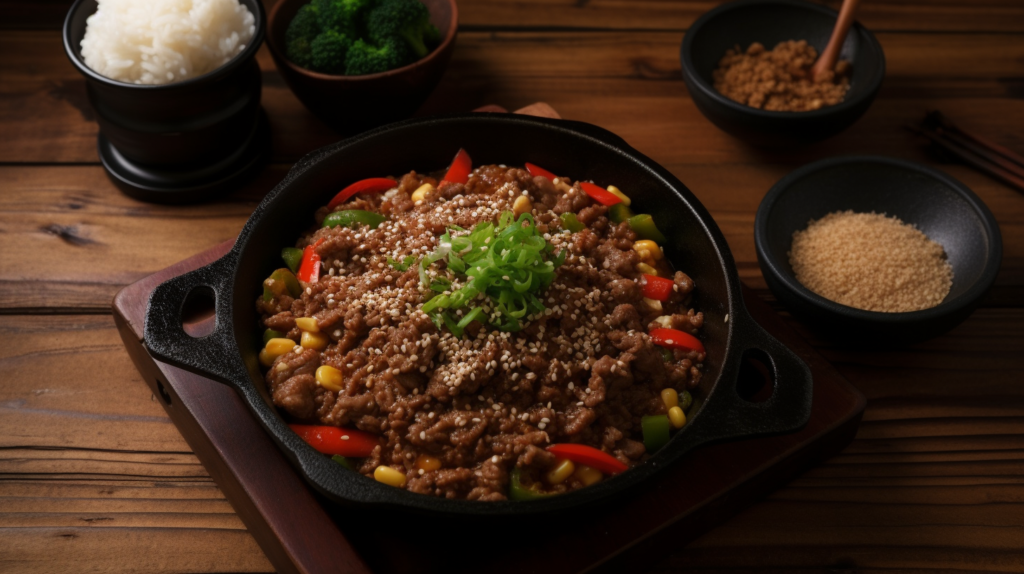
{"x": 352, "y": 104}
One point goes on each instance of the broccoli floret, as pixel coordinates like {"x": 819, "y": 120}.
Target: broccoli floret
{"x": 328, "y": 52}
{"x": 304, "y": 27}
{"x": 407, "y": 19}
{"x": 364, "y": 58}
{"x": 345, "y": 16}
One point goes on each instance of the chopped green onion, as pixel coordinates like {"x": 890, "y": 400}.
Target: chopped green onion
{"x": 508, "y": 262}
{"x": 402, "y": 265}
{"x": 342, "y": 461}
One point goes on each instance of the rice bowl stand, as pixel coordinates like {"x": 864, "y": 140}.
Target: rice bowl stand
{"x": 184, "y": 141}
{"x": 114, "y": 462}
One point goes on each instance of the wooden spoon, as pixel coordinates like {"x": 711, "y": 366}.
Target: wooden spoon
{"x": 827, "y": 60}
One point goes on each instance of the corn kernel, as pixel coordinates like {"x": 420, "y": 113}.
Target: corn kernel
{"x": 317, "y": 341}
{"x": 266, "y": 359}
{"x": 522, "y": 205}
{"x": 427, "y": 463}
{"x": 307, "y": 324}
{"x": 587, "y": 475}
{"x": 652, "y": 304}
{"x": 668, "y": 396}
{"x": 563, "y": 470}
{"x": 677, "y": 417}
{"x": 329, "y": 378}
{"x": 618, "y": 193}
{"x": 645, "y": 268}
{"x": 389, "y": 476}
{"x": 422, "y": 191}
{"x": 279, "y": 346}
{"x": 651, "y": 247}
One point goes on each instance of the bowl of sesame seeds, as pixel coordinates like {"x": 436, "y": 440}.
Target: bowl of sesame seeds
{"x": 537, "y": 283}
{"x": 876, "y": 251}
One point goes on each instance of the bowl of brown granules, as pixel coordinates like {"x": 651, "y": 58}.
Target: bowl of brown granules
{"x": 747, "y": 67}
{"x": 876, "y": 251}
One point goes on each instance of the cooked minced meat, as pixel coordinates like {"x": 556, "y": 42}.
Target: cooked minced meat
{"x": 583, "y": 371}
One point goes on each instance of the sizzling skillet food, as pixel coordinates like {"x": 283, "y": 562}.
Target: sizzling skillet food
{"x": 493, "y": 333}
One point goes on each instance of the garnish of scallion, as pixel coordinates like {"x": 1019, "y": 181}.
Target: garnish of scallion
{"x": 510, "y": 263}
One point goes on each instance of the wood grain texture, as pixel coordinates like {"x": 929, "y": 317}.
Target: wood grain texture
{"x": 94, "y": 478}
{"x": 613, "y": 79}
{"x": 917, "y": 15}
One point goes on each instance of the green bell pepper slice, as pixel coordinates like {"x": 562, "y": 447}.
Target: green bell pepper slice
{"x": 619, "y": 213}
{"x": 272, "y": 334}
{"x": 342, "y": 461}
{"x": 645, "y": 228}
{"x": 283, "y": 280}
{"x": 685, "y": 400}
{"x": 571, "y": 222}
{"x": 292, "y": 258}
{"x": 656, "y": 431}
{"x": 350, "y": 217}
{"x": 519, "y": 491}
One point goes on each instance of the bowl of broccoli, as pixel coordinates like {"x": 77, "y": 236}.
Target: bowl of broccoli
{"x": 358, "y": 64}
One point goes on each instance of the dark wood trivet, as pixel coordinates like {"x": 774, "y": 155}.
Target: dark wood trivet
{"x": 300, "y": 534}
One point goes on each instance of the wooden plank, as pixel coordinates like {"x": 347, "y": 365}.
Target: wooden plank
{"x": 68, "y": 383}
{"x": 919, "y": 15}
{"x": 157, "y": 550}
{"x": 629, "y": 83}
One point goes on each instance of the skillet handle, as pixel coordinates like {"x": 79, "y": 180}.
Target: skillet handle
{"x": 214, "y": 355}
{"x": 731, "y": 416}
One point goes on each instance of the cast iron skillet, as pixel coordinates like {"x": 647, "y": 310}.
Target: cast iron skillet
{"x": 583, "y": 151}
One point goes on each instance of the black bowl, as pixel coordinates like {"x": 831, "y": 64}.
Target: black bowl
{"x": 769, "y": 22}
{"x": 940, "y": 206}
{"x": 177, "y": 142}
{"x": 694, "y": 244}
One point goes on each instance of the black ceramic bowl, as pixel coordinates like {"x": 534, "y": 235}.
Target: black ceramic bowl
{"x": 177, "y": 142}
{"x": 940, "y": 206}
{"x": 769, "y": 22}
{"x": 351, "y": 104}
{"x": 695, "y": 245}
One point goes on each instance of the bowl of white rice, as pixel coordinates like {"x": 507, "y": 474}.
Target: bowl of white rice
{"x": 176, "y": 89}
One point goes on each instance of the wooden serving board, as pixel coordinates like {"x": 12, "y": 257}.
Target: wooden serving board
{"x": 300, "y": 534}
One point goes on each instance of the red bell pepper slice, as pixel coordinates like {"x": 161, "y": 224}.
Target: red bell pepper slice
{"x": 675, "y": 339}
{"x": 335, "y": 440}
{"x": 309, "y": 269}
{"x": 600, "y": 194}
{"x": 536, "y": 170}
{"x": 460, "y": 168}
{"x": 589, "y": 456}
{"x": 371, "y": 185}
{"x": 657, "y": 287}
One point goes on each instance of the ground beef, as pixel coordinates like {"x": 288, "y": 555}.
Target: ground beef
{"x": 582, "y": 371}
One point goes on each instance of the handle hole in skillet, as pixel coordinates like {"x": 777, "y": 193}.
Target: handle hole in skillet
{"x": 756, "y": 382}
{"x": 197, "y": 313}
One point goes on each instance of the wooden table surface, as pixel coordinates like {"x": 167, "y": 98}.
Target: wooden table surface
{"x": 93, "y": 477}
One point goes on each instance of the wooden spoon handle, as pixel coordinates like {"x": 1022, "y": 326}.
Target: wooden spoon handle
{"x": 827, "y": 60}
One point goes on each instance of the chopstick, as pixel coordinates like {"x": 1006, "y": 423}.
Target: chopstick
{"x": 935, "y": 118}
{"x": 979, "y": 152}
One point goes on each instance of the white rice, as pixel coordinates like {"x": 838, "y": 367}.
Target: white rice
{"x": 164, "y": 41}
